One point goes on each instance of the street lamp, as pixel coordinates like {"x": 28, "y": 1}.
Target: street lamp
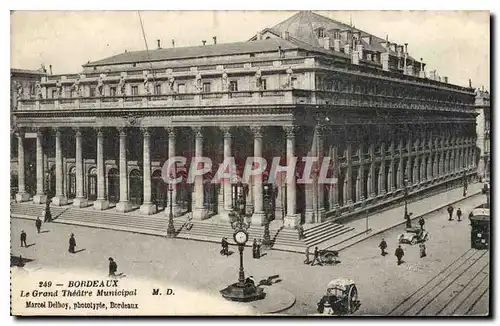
{"x": 268, "y": 209}
{"x": 405, "y": 196}
{"x": 171, "y": 228}
{"x": 241, "y": 290}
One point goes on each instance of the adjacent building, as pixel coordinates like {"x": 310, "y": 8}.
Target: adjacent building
{"x": 309, "y": 86}
{"x": 483, "y": 128}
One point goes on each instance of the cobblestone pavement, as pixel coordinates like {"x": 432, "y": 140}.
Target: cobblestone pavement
{"x": 381, "y": 284}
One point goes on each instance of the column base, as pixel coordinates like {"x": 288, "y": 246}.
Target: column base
{"x": 80, "y": 202}
{"x": 147, "y": 208}
{"x": 309, "y": 216}
{"x": 101, "y": 204}
{"x": 176, "y": 210}
{"x": 258, "y": 218}
{"x": 39, "y": 199}
{"x": 278, "y": 214}
{"x": 22, "y": 196}
{"x": 200, "y": 213}
{"x": 59, "y": 200}
{"x": 249, "y": 210}
{"x": 291, "y": 221}
{"x": 123, "y": 206}
{"x": 321, "y": 215}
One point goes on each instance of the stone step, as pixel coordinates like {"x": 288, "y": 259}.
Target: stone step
{"x": 326, "y": 237}
{"x": 324, "y": 230}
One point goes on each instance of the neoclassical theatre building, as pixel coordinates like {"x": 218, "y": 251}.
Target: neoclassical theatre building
{"x": 307, "y": 86}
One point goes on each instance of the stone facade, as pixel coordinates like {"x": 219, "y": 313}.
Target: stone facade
{"x": 109, "y": 129}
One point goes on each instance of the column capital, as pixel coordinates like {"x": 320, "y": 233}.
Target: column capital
{"x": 256, "y": 131}
{"x": 146, "y": 132}
{"x": 290, "y": 131}
{"x": 198, "y": 131}
{"x": 122, "y": 131}
{"x": 38, "y": 131}
{"x": 77, "y": 131}
{"x": 170, "y": 131}
{"x": 19, "y": 132}
{"x": 57, "y": 131}
{"x": 226, "y": 131}
{"x": 99, "y": 131}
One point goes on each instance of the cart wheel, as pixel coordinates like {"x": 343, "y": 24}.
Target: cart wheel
{"x": 329, "y": 258}
{"x": 413, "y": 240}
{"x": 352, "y": 299}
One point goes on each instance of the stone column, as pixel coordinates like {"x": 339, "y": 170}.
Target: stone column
{"x": 100, "y": 203}
{"x": 226, "y": 185}
{"x": 416, "y": 164}
{"x": 21, "y": 195}
{"x": 400, "y": 177}
{"x": 334, "y": 188}
{"x": 279, "y": 199}
{"x": 80, "y": 200}
{"x": 392, "y": 166}
{"x": 124, "y": 204}
{"x": 292, "y": 219}
{"x": 360, "y": 179}
{"x": 348, "y": 177}
{"x": 381, "y": 173}
{"x": 310, "y": 187}
{"x": 40, "y": 197}
{"x": 258, "y": 214}
{"x": 320, "y": 183}
{"x": 200, "y": 212}
{"x": 372, "y": 179}
{"x": 147, "y": 207}
{"x": 171, "y": 153}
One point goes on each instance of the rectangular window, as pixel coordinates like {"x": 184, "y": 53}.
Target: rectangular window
{"x": 92, "y": 91}
{"x": 206, "y": 87}
{"x": 54, "y": 93}
{"x": 135, "y": 90}
{"x": 263, "y": 84}
{"x": 182, "y": 88}
{"x": 112, "y": 91}
{"x": 157, "y": 90}
{"x": 233, "y": 86}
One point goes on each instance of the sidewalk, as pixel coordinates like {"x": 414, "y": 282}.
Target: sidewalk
{"x": 390, "y": 218}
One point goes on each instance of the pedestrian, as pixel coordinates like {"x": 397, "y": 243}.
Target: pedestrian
{"x": 300, "y": 230}
{"x": 408, "y": 220}
{"x": 259, "y": 245}
{"x": 38, "y": 224}
{"x": 23, "y": 239}
{"x": 316, "y": 257}
{"x": 399, "y": 254}
{"x": 383, "y": 246}
{"x": 254, "y": 248}
{"x": 422, "y": 250}
{"x": 225, "y": 245}
{"x": 306, "y": 261}
{"x": 450, "y": 212}
{"x": 459, "y": 214}
{"x": 112, "y": 267}
{"x": 421, "y": 222}
{"x": 48, "y": 215}
{"x": 72, "y": 243}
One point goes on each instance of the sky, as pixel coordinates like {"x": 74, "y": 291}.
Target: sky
{"x": 455, "y": 43}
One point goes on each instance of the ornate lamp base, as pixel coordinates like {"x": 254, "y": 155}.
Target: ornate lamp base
{"x": 243, "y": 292}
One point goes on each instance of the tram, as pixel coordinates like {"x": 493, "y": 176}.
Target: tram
{"x": 480, "y": 228}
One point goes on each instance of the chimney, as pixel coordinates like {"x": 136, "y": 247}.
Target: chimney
{"x": 50, "y": 69}
{"x": 215, "y": 39}
{"x": 259, "y": 36}
{"x": 159, "y": 44}
{"x": 406, "y": 55}
{"x": 203, "y": 41}
{"x": 406, "y": 47}
{"x": 445, "y": 79}
{"x": 422, "y": 68}
{"x": 173, "y": 43}
{"x": 285, "y": 35}
{"x": 384, "y": 57}
{"x": 336, "y": 45}
{"x": 326, "y": 43}
{"x": 470, "y": 83}
{"x": 482, "y": 87}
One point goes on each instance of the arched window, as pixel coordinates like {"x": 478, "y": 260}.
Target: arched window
{"x": 72, "y": 182}
{"x": 92, "y": 184}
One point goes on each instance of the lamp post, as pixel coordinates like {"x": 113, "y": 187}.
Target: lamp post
{"x": 268, "y": 208}
{"x": 405, "y": 196}
{"x": 171, "y": 228}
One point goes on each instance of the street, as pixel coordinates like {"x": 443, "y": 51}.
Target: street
{"x": 382, "y": 285}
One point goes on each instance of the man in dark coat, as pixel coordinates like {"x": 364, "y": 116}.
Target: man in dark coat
{"x": 254, "y": 248}
{"x": 421, "y": 222}
{"x": 72, "y": 243}
{"x": 383, "y": 246}
{"x": 48, "y": 215}
{"x": 38, "y": 224}
{"x": 224, "y": 245}
{"x": 23, "y": 239}
{"x": 459, "y": 214}
{"x": 399, "y": 254}
{"x": 316, "y": 257}
{"x": 450, "y": 212}
{"x": 112, "y": 267}
{"x": 422, "y": 250}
